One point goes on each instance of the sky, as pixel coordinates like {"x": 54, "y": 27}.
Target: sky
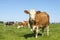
{"x": 13, "y": 10}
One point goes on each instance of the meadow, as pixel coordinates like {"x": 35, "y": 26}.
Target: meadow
{"x": 12, "y": 33}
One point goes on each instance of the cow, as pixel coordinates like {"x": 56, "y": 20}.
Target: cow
{"x": 23, "y": 24}
{"x": 20, "y": 25}
{"x": 9, "y": 23}
{"x": 37, "y": 20}
{"x": 27, "y": 24}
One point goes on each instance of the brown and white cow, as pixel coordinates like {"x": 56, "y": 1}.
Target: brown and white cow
{"x": 38, "y": 20}
{"x": 23, "y": 24}
{"x": 20, "y": 25}
{"x": 27, "y": 24}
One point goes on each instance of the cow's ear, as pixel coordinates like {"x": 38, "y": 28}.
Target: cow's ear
{"x": 38, "y": 11}
{"x": 26, "y": 11}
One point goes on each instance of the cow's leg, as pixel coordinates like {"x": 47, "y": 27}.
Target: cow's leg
{"x": 36, "y": 32}
{"x": 47, "y": 30}
{"x": 28, "y": 25}
{"x": 42, "y": 31}
{"x": 33, "y": 28}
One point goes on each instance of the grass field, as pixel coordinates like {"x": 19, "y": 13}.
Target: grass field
{"x": 12, "y": 33}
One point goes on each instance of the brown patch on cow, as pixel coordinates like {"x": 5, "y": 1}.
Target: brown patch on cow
{"x": 38, "y": 12}
{"x": 42, "y": 18}
{"x": 26, "y": 23}
{"x": 20, "y": 23}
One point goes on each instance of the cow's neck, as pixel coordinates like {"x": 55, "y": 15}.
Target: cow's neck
{"x": 32, "y": 21}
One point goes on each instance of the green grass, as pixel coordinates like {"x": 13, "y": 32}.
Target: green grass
{"x": 12, "y": 33}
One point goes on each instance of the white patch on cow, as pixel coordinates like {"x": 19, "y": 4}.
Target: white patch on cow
{"x": 32, "y": 14}
{"x": 32, "y": 30}
{"x": 47, "y": 30}
{"x": 34, "y": 27}
{"x": 18, "y": 26}
{"x": 36, "y": 32}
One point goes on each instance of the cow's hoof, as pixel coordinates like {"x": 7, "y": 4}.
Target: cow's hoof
{"x": 36, "y": 37}
{"x": 31, "y": 30}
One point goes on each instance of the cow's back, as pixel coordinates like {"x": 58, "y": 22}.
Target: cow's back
{"x": 42, "y": 18}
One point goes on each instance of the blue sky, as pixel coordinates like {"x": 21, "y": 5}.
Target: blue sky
{"x": 13, "y": 10}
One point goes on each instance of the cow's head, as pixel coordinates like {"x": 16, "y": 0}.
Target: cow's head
{"x": 31, "y": 13}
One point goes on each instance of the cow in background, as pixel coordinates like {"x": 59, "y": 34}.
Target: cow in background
{"x": 9, "y": 23}
{"x": 23, "y": 24}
